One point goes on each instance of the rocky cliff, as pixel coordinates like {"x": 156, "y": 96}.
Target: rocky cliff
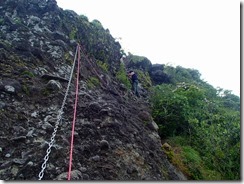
{"x": 115, "y": 136}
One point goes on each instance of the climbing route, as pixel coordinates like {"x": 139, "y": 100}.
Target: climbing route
{"x": 59, "y": 118}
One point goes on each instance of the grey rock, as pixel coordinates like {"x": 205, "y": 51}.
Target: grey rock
{"x": 30, "y": 163}
{"x": 8, "y": 155}
{"x": 85, "y": 176}
{"x": 34, "y": 114}
{"x": 153, "y": 126}
{"x": 95, "y": 158}
{"x": 19, "y": 161}
{"x": 9, "y": 89}
{"x": 75, "y": 175}
{"x": 14, "y": 170}
{"x": 145, "y": 116}
{"x": 30, "y": 132}
{"x": 54, "y": 85}
{"x": 113, "y": 137}
{"x": 83, "y": 169}
{"x": 2, "y": 105}
{"x": 19, "y": 138}
{"x": 6, "y": 165}
{"x": 104, "y": 145}
{"x": 10, "y": 86}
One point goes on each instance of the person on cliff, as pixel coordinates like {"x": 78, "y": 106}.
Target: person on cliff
{"x": 134, "y": 82}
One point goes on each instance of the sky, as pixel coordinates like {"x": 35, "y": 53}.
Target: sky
{"x": 197, "y": 34}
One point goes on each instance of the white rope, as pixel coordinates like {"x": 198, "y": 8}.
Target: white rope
{"x": 59, "y": 117}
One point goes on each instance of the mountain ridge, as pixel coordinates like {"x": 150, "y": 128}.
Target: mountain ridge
{"x": 115, "y": 135}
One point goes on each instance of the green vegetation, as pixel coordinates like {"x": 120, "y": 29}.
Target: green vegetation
{"x": 103, "y": 65}
{"x": 139, "y": 62}
{"x": 26, "y": 89}
{"x": 96, "y": 41}
{"x": 144, "y": 79}
{"x": 97, "y": 24}
{"x": 17, "y": 20}
{"x": 180, "y": 74}
{"x": 92, "y": 82}
{"x": 68, "y": 58}
{"x": 84, "y": 18}
{"x": 28, "y": 73}
{"x": 122, "y": 76}
{"x": 1, "y": 21}
{"x": 73, "y": 33}
{"x": 200, "y": 121}
{"x": 46, "y": 92}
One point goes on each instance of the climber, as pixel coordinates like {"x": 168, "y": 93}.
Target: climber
{"x": 134, "y": 82}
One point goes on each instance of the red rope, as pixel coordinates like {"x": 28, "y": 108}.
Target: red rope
{"x": 74, "y": 117}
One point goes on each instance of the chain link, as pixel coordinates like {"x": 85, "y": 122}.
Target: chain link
{"x": 59, "y": 117}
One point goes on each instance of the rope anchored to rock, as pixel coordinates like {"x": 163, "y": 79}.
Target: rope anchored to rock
{"x": 74, "y": 117}
{"x": 59, "y": 117}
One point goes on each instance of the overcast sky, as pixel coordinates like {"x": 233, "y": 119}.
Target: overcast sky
{"x": 197, "y": 34}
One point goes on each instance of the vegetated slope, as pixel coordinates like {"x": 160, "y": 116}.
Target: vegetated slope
{"x": 115, "y": 135}
{"x": 200, "y": 125}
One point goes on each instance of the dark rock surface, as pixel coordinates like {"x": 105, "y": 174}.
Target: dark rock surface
{"x": 157, "y": 74}
{"x": 115, "y": 136}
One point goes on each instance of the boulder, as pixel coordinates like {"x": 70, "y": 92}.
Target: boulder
{"x": 54, "y": 85}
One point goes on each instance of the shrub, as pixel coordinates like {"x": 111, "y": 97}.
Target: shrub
{"x": 28, "y": 73}
{"x": 73, "y": 33}
{"x": 92, "y": 82}
{"x": 122, "y": 76}
{"x": 145, "y": 79}
{"x": 103, "y": 65}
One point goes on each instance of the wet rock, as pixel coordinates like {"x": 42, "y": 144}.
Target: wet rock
{"x": 85, "y": 177}
{"x": 10, "y": 86}
{"x": 19, "y": 161}
{"x": 40, "y": 71}
{"x": 115, "y": 136}
{"x": 95, "y": 158}
{"x": 157, "y": 74}
{"x": 6, "y": 164}
{"x": 8, "y": 155}
{"x": 53, "y": 77}
{"x": 75, "y": 175}
{"x": 2, "y": 105}
{"x": 132, "y": 169}
{"x": 152, "y": 125}
{"x": 83, "y": 169}
{"x": 155, "y": 137}
{"x": 19, "y": 138}
{"x": 94, "y": 107}
{"x": 34, "y": 114}
{"x": 46, "y": 126}
{"x": 109, "y": 122}
{"x": 30, "y": 132}
{"x": 104, "y": 145}
{"x": 30, "y": 163}
{"x": 144, "y": 116}
{"x": 9, "y": 89}
{"x": 54, "y": 85}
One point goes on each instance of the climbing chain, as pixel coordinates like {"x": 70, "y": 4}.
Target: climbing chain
{"x": 59, "y": 118}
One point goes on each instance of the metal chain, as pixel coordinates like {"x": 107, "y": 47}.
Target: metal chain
{"x": 59, "y": 117}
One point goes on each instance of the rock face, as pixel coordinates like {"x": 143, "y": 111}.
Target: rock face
{"x": 115, "y": 136}
{"x": 157, "y": 74}
{"x": 144, "y": 65}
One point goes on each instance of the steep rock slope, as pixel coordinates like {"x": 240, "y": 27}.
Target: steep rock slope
{"x": 115, "y": 136}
